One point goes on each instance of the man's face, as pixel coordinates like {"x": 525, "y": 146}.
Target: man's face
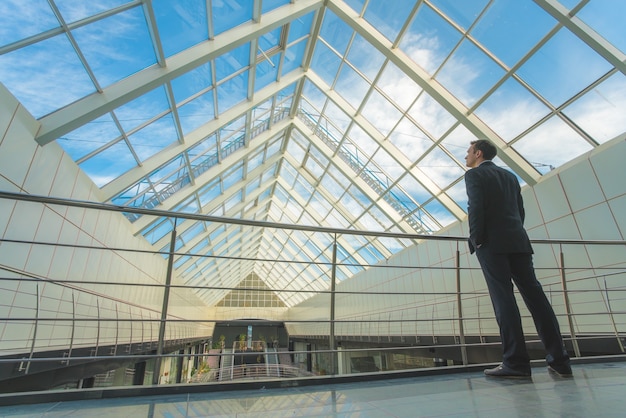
{"x": 471, "y": 159}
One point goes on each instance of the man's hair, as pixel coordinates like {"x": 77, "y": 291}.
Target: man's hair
{"x": 489, "y": 150}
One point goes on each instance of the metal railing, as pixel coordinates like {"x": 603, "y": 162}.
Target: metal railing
{"x": 397, "y": 320}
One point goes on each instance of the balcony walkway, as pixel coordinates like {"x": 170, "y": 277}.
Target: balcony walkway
{"x": 596, "y": 390}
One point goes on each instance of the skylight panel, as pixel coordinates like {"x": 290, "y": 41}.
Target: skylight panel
{"x": 607, "y": 18}
{"x": 325, "y": 62}
{"x": 462, "y": 13}
{"x": 232, "y": 62}
{"x": 409, "y": 140}
{"x": 360, "y": 145}
{"x": 180, "y": 24}
{"x": 469, "y": 73}
{"x": 388, "y": 165}
{"x": 437, "y": 212}
{"x": 233, "y": 201}
{"x": 89, "y": 137}
{"x": 117, "y": 46}
{"x": 255, "y": 160}
{"x": 319, "y": 205}
{"x": 366, "y": 59}
{"x": 511, "y": 109}
{"x": 381, "y": 113}
{"x": 192, "y": 82}
{"x": 228, "y": 14}
{"x": 388, "y": 16}
{"x": 109, "y": 164}
{"x": 45, "y": 76}
{"x": 293, "y": 57}
{"x": 197, "y": 112}
{"x": 274, "y": 147}
{"x": 189, "y": 205}
{"x": 398, "y": 86}
{"x": 429, "y": 39}
{"x": 141, "y": 110}
{"x": 431, "y": 117}
{"x": 300, "y": 27}
{"x": 232, "y": 91}
{"x": 351, "y": 86}
{"x": 414, "y": 189}
{"x": 438, "y": 166}
{"x": 232, "y": 176}
{"x": 20, "y": 20}
{"x": 154, "y": 137}
{"x": 600, "y": 112}
{"x": 509, "y": 29}
{"x": 266, "y": 71}
{"x": 555, "y": 71}
{"x": 157, "y": 230}
{"x": 551, "y": 144}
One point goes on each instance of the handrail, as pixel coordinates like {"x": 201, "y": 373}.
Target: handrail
{"x": 407, "y": 328}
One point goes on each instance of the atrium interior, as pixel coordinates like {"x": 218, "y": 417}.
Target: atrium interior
{"x": 204, "y": 192}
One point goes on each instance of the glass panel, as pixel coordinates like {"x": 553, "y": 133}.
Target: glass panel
{"x": 231, "y": 62}
{"x": 89, "y": 137}
{"x": 381, "y": 113}
{"x": 196, "y": 113}
{"x": 469, "y": 73}
{"x": 555, "y": 70}
{"x": 266, "y": 72}
{"x": 269, "y": 5}
{"x": 192, "y": 82}
{"x": 73, "y": 10}
{"x": 429, "y": 39}
{"x": 232, "y": 92}
{"x": 509, "y": 29}
{"x": 462, "y": 13}
{"x": 552, "y": 144}
{"x": 228, "y": 14}
{"x": 398, "y": 86}
{"x": 181, "y": 24}
{"x": 365, "y": 58}
{"x": 154, "y": 137}
{"x": 336, "y": 32}
{"x": 117, "y": 46}
{"x": 142, "y": 109}
{"x": 351, "y": 86}
{"x": 299, "y": 27}
{"x": 269, "y": 40}
{"x": 45, "y": 76}
{"x": 20, "y": 20}
{"x": 607, "y": 18}
{"x": 600, "y": 112}
{"x": 325, "y": 63}
{"x": 431, "y": 116}
{"x": 409, "y": 139}
{"x": 388, "y": 16}
{"x": 440, "y": 168}
{"x": 109, "y": 164}
{"x": 294, "y": 56}
{"x": 511, "y": 109}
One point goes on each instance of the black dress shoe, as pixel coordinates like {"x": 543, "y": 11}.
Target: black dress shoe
{"x": 561, "y": 370}
{"x": 507, "y": 372}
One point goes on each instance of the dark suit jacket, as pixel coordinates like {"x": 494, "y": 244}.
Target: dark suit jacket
{"x": 496, "y": 210}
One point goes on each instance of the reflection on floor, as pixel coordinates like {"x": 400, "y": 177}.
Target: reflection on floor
{"x": 596, "y": 390}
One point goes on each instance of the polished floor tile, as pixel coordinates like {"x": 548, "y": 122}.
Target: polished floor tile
{"x": 596, "y": 390}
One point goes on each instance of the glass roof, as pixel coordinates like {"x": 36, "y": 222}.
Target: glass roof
{"x": 349, "y": 114}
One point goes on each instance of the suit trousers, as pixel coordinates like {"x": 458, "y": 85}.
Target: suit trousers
{"x": 500, "y": 271}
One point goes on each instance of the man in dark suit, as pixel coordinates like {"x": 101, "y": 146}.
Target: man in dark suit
{"x": 497, "y": 235}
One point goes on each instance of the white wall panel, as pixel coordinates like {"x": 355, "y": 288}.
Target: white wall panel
{"x": 29, "y": 168}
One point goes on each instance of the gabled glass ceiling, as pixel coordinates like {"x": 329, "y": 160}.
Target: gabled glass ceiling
{"x": 349, "y": 114}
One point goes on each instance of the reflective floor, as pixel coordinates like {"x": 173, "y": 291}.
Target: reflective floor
{"x": 596, "y": 390}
